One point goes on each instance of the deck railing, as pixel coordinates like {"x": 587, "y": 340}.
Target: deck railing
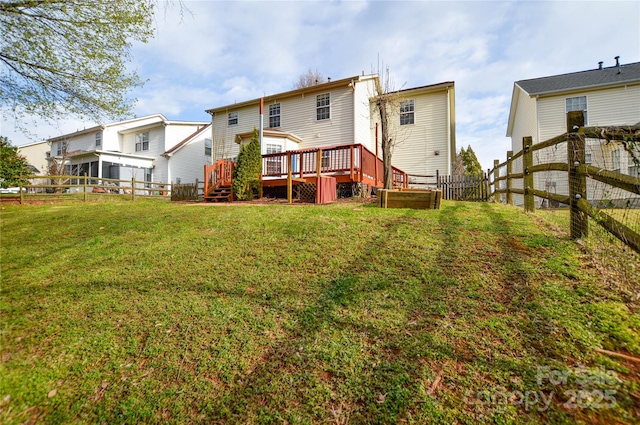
{"x": 355, "y": 161}
{"x": 217, "y": 174}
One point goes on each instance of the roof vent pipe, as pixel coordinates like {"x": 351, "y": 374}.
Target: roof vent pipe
{"x": 617, "y": 58}
{"x": 600, "y": 65}
{"x": 329, "y": 79}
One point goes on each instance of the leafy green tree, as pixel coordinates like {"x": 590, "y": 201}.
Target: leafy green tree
{"x": 246, "y": 174}
{"x": 14, "y": 168}
{"x": 470, "y": 161}
{"x": 60, "y": 57}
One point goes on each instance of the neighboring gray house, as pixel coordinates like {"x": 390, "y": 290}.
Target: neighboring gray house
{"x": 608, "y": 96}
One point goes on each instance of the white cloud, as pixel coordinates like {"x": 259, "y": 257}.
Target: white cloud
{"x": 235, "y": 51}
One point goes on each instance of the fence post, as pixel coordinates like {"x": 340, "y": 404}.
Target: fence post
{"x": 84, "y": 186}
{"x": 21, "y": 195}
{"x": 577, "y": 186}
{"x": 509, "y": 180}
{"x": 496, "y": 183}
{"x": 527, "y": 163}
{"x": 133, "y": 189}
{"x": 197, "y": 195}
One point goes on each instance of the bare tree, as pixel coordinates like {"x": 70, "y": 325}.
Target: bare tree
{"x": 308, "y": 79}
{"x": 387, "y": 103}
{"x": 58, "y": 165}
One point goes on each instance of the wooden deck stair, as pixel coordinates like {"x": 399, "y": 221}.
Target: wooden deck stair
{"x": 217, "y": 184}
{"x": 220, "y": 193}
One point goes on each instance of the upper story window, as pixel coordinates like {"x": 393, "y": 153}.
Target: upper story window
{"x": 98, "y": 140}
{"x": 323, "y": 107}
{"x": 578, "y": 103}
{"x": 233, "y": 118}
{"x": 407, "y": 112}
{"x": 62, "y": 148}
{"x": 207, "y": 147}
{"x": 142, "y": 141}
{"x": 615, "y": 160}
{"x": 274, "y": 115}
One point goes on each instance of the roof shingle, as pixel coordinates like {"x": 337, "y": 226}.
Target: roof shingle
{"x": 582, "y": 80}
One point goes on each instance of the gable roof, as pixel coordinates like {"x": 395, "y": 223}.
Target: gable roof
{"x": 345, "y": 82}
{"x": 611, "y": 76}
{"x": 186, "y": 140}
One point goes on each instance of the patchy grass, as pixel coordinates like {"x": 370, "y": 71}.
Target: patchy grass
{"x": 152, "y": 312}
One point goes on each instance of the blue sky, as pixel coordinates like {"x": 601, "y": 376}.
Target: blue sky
{"x": 233, "y": 51}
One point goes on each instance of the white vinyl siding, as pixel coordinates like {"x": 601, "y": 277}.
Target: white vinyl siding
{"x": 416, "y": 145}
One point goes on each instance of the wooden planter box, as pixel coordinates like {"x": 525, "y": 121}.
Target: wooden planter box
{"x": 424, "y": 199}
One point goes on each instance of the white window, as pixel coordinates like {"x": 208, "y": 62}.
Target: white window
{"x": 615, "y": 160}
{"x": 274, "y": 115}
{"x": 62, "y": 148}
{"x": 98, "y": 140}
{"x": 207, "y": 147}
{"x": 233, "y": 118}
{"x": 142, "y": 141}
{"x": 578, "y": 103}
{"x": 588, "y": 158}
{"x": 407, "y": 112}
{"x": 323, "y": 107}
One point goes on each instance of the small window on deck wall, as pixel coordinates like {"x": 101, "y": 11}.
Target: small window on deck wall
{"x": 274, "y": 164}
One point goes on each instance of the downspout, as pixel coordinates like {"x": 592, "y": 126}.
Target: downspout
{"x": 261, "y": 129}
{"x": 452, "y": 128}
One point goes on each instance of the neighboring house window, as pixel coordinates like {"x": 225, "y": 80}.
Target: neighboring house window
{"x": 233, "y": 118}
{"x": 62, "y": 148}
{"x": 98, "y": 140}
{"x": 577, "y": 104}
{"x": 407, "y": 112}
{"x": 323, "y": 107}
{"x": 634, "y": 171}
{"x": 588, "y": 159}
{"x": 142, "y": 141}
{"x": 274, "y": 115}
{"x": 274, "y": 164}
{"x": 207, "y": 147}
{"x": 148, "y": 176}
{"x": 615, "y": 160}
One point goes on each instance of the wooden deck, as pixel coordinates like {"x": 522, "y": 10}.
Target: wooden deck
{"x": 348, "y": 164}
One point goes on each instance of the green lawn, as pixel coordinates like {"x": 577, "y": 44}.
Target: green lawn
{"x": 152, "y": 312}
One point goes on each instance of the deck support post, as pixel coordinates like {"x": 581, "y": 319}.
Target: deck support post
{"x": 289, "y": 178}
{"x": 351, "y": 165}
{"x": 318, "y": 163}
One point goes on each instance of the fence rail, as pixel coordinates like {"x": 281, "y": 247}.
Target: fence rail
{"x": 87, "y": 185}
{"x": 578, "y": 173}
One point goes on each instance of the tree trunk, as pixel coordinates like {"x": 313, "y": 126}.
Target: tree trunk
{"x": 386, "y": 144}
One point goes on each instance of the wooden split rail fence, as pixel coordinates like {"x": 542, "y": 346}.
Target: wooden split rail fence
{"x": 578, "y": 171}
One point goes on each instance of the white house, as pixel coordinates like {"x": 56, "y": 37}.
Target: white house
{"x": 36, "y": 154}
{"x": 340, "y": 112}
{"x": 150, "y": 148}
{"x": 608, "y": 96}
